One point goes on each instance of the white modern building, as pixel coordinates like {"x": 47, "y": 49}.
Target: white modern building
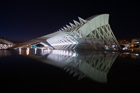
{"x": 92, "y": 33}
{"x": 4, "y": 44}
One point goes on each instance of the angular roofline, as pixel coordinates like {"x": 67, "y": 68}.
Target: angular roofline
{"x": 91, "y": 17}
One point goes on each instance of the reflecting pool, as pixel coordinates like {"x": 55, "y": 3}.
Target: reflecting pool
{"x": 69, "y": 71}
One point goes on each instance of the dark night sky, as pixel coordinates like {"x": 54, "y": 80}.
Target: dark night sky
{"x": 24, "y": 20}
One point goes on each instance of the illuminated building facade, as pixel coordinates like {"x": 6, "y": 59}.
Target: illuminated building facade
{"x": 123, "y": 41}
{"x": 91, "y": 33}
{"x": 124, "y": 44}
{"x": 135, "y": 42}
{"x": 4, "y": 44}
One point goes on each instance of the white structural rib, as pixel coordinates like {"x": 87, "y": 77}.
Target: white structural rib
{"x": 76, "y": 23}
{"x": 82, "y": 21}
{"x": 72, "y": 25}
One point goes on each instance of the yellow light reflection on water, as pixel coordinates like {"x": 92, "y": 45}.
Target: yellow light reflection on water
{"x": 19, "y": 51}
{"x": 27, "y": 51}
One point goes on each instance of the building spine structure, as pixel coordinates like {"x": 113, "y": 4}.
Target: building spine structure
{"x": 95, "y": 30}
{"x": 93, "y": 33}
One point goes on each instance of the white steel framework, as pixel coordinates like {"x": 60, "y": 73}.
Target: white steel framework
{"x": 92, "y": 33}
{"x": 94, "y": 30}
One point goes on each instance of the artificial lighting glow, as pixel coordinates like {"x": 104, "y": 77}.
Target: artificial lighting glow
{"x": 19, "y": 51}
{"x": 27, "y": 51}
{"x": 106, "y": 47}
{"x": 41, "y": 50}
{"x": 74, "y": 54}
{"x": 137, "y": 42}
{"x": 35, "y": 50}
{"x": 5, "y": 46}
{"x": 125, "y": 48}
{"x": 65, "y": 52}
{"x": 136, "y": 54}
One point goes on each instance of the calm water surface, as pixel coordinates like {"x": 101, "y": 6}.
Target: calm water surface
{"x": 45, "y": 71}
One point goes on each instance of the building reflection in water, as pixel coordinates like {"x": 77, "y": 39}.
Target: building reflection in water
{"x": 27, "y": 51}
{"x": 4, "y": 53}
{"x": 33, "y": 52}
{"x": 125, "y": 54}
{"x": 92, "y": 64}
{"x": 19, "y": 51}
{"x": 132, "y": 55}
{"x": 135, "y": 55}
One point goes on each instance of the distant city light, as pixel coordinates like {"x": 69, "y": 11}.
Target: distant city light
{"x": 137, "y": 42}
{"x": 136, "y": 54}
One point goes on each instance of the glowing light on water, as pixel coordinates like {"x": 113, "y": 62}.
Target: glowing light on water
{"x": 27, "y": 51}
{"x": 35, "y": 50}
{"x": 19, "y": 51}
{"x": 41, "y": 50}
{"x": 136, "y": 54}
